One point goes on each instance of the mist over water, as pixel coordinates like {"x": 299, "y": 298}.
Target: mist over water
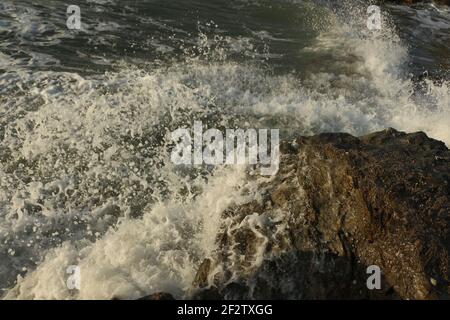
{"x": 86, "y": 116}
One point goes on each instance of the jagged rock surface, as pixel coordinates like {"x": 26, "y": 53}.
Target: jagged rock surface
{"x": 337, "y": 205}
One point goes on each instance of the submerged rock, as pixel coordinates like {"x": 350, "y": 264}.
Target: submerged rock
{"x": 338, "y": 205}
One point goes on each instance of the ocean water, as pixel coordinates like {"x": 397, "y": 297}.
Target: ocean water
{"x": 86, "y": 116}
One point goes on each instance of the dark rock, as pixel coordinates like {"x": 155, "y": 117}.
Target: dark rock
{"x": 338, "y": 205}
{"x": 211, "y": 293}
{"x": 201, "y": 278}
{"x": 158, "y": 296}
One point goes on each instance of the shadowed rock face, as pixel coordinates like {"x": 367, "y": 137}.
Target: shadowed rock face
{"x": 158, "y": 296}
{"x": 337, "y": 205}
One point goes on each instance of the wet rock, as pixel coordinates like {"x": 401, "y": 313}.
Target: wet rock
{"x": 158, "y": 296}
{"x": 338, "y": 205}
{"x": 201, "y": 278}
{"x": 410, "y": 2}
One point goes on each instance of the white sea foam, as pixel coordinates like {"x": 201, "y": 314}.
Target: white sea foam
{"x": 160, "y": 251}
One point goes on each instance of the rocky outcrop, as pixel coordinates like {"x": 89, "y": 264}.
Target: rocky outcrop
{"x": 338, "y": 205}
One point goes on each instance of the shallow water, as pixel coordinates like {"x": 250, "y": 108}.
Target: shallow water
{"x": 85, "y": 121}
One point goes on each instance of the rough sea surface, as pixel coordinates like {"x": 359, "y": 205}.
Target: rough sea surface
{"x": 86, "y": 116}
